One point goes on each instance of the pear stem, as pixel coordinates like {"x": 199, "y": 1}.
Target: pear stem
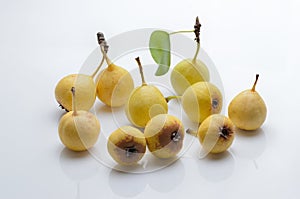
{"x": 192, "y": 132}
{"x": 141, "y": 71}
{"x": 103, "y": 46}
{"x": 197, "y": 52}
{"x": 181, "y": 31}
{"x": 197, "y": 27}
{"x": 105, "y": 56}
{"x": 254, "y": 85}
{"x": 73, "y": 101}
{"x": 98, "y": 68}
{"x": 172, "y": 97}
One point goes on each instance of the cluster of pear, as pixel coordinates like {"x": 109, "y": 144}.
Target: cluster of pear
{"x": 147, "y": 108}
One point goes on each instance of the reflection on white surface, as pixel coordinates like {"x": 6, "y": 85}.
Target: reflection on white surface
{"x": 77, "y": 166}
{"x": 129, "y": 185}
{"x": 126, "y": 184}
{"x": 216, "y": 167}
{"x": 168, "y": 178}
{"x": 250, "y": 144}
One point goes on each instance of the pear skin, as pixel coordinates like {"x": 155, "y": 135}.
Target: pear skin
{"x": 248, "y": 110}
{"x": 114, "y": 86}
{"x": 201, "y": 100}
{"x": 164, "y": 135}
{"x": 126, "y": 145}
{"x": 216, "y": 133}
{"x": 85, "y": 91}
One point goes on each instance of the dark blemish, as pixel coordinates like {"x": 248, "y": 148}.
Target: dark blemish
{"x": 129, "y": 151}
{"x": 225, "y": 132}
{"x": 62, "y": 107}
{"x": 175, "y": 136}
{"x": 171, "y": 137}
{"x": 215, "y": 103}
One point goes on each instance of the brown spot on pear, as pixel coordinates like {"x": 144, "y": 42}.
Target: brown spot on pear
{"x": 164, "y": 135}
{"x": 216, "y": 133}
{"x": 126, "y": 145}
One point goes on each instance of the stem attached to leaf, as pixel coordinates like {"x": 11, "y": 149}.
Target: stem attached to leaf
{"x": 197, "y": 52}
{"x": 181, "y": 31}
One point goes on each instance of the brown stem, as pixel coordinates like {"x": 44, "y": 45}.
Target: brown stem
{"x": 73, "y": 101}
{"x": 197, "y": 27}
{"x": 254, "y": 85}
{"x": 141, "y": 70}
{"x": 103, "y": 46}
{"x": 172, "y": 97}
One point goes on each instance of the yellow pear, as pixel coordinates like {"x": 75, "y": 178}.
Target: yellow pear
{"x": 78, "y": 130}
{"x": 201, "y": 100}
{"x": 164, "y": 135}
{"x": 186, "y": 73}
{"x": 248, "y": 110}
{"x": 216, "y": 133}
{"x": 144, "y": 102}
{"x": 126, "y": 145}
{"x": 114, "y": 85}
{"x": 85, "y": 91}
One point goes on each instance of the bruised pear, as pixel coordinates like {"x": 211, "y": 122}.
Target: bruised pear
{"x": 126, "y": 145}
{"x": 164, "y": 135}
{"x": 216, "y": 133}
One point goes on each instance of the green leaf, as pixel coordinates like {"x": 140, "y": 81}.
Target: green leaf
{"x": 160, "y": 45}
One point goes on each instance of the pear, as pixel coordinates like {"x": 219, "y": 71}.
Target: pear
{"x": 85, "y": 91}
{"x": 164, "y": 135}
{"x": 144, "y": 102}
{"x": 114, "y": 84}
{"x": 186, "y": 73}
{"x": 216, "y": 133}
{"x": 78, "y": 130}
{"x": 84, "y": 84}
{"x": 201, "y": 100}
{"x": 190, "y": 71}
{"x": 248, "y": 110}
{"x": 126, "y": 145}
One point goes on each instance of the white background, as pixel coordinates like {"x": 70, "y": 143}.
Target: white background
{"x": 42, "y": 41}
